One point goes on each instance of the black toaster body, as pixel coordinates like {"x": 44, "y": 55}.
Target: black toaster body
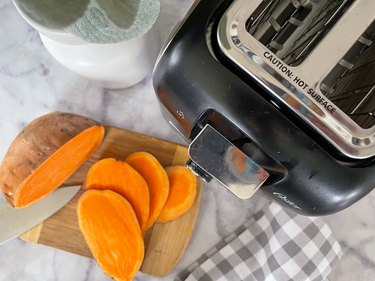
{"x": 197, "y": 86}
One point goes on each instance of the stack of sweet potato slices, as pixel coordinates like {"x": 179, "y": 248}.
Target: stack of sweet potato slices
{"x": 113, "y": 228}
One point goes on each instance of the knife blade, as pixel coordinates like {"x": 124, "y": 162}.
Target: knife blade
{"x": 14, "y": 222}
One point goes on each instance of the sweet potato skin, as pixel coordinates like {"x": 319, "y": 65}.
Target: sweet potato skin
{"x": 34, "y": 144}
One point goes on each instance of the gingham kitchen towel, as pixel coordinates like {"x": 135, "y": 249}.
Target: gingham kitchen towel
{"x": 276, "y": 244}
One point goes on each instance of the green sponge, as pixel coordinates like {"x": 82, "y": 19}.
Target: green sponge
{"x": 96, "y": 27}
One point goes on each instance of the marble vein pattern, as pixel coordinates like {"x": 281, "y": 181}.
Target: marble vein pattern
{"x": 32, "y": 83}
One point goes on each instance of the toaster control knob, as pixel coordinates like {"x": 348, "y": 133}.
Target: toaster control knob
{"x": 214, "y": 156}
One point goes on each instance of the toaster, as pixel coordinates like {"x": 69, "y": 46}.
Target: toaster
{"x": 276, "y": 96}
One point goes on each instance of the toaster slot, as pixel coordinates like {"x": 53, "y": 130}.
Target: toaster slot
{"x": 351, "y": 83}
{"x": 268, "y": 19}
{"x": 293, "y": 28}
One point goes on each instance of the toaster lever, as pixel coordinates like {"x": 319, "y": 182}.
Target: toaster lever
{"x": 214, "y": 156}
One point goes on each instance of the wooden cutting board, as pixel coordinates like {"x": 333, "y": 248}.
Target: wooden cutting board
{"x": 165, "y": 243}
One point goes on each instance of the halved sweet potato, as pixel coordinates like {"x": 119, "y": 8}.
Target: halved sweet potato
{"x": 157, "y": 180}
{"x": 111, "y": 230}
{"x": 45, "y": 153}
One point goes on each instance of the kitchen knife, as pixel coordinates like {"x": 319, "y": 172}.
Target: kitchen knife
{"x": 14, "y": 222}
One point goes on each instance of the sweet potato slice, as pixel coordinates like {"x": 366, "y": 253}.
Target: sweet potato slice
{"x": 111, "y": 230}
{"x": 157, "y": 180}
{"x": 120, "y": 177}
{"x": 45, "y": 154}
{"x": 182, "y": 191}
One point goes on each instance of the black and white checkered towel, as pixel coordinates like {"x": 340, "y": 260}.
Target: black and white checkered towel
{"x": 276, "y": 244}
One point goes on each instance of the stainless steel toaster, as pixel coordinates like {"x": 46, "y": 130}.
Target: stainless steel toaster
{"x": 276, "y": 95}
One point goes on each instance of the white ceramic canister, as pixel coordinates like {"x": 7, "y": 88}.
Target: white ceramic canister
{"x": 112, "y": 66}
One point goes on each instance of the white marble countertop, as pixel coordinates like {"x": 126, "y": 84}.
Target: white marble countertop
{"x": 32, "y": 83}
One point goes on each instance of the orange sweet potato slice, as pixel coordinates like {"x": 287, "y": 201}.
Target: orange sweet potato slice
{"x": 112, "y": 232}
{"x": 120, "y": 177}
{"x": 45, "y": 154}
{"x": 157, "y": 180}
{"x": 182, "y": 191}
